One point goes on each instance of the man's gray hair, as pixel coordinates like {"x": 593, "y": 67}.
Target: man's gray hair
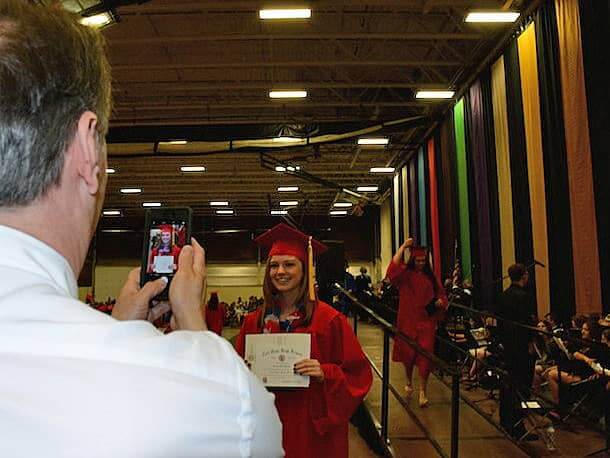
{"x": 52, "y": 70}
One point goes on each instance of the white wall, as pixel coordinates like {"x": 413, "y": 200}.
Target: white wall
{"x": 385, "y": 225}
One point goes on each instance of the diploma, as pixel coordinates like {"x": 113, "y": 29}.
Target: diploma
{"x": 271, "y": 357}
{"x": 163, "y": 264}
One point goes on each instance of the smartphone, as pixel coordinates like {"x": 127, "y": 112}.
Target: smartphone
{"x": 166, "y": 231}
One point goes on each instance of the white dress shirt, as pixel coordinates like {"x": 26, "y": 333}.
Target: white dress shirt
{"x": 77, "y": 383}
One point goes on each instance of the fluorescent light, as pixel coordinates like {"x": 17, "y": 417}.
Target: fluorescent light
{"x": 279, "y": 168}
{"x": 112, "y": 213}
{"x": 97, "y": 21}
{"x": 367, "y": 188}
{"x": 289, "y": 203}
{"x": 300, "y": 94}
{"x": 219, "y": 203}
{"x": 131, "y": 190}
{"x": 110, "y": 171}
{"x": 440, "y": 94}
{"x": 373, "y": 141}
{"x": 117, "y": 231}
{"x": 287, "y": 140}
{"x": 224, "y": 212}
{"x": 293, "y": 13}
{"x": 338, "y": 212}
{"x": 192, "y": 168}
{"x": 290, "y": 168}
{"x": 279, "y": 212}
{"x": 343, "y": 204}
{"x": 492, "y": 16}
{"x": 287, "y": 188}
{"x": 174, "y": 142}
{"x": 382, "y": 169}
{"x": 151, "y": 204}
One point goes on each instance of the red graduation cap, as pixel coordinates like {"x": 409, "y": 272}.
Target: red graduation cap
{"x": 166, "y": 228}
{"x": 419, "y": 251}
{"x": 287, "y": 241}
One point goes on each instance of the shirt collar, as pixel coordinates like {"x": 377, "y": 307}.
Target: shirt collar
{"x": 24, "y": 252}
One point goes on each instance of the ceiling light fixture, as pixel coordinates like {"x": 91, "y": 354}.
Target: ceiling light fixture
{"x": 343, "y": 204}
{"x": 373, "y": 141}
{"x": 287, "y": 188}
{"x": 289, "y": 203}
{"x": 131, "y": 190}
{"x": 382, "y": 169}
{"x": 97, "y": 21}
{"x": 279, "y": 212}
{"x": 292, "y": 94}
{"x": 192, "y": 168}
{"x": 434, "y": 94}
{"x": 224, "y": 212}
{"x": 151, "y": 204}
{"x": 110, "y": 171}
{"x": 338, "y": 212}
{"x": 292, "y": 13}
{"x": 367, "y": 188}
{"x": 279, "y": 168}
{"x": 492, "y": 16}
{"x": 112, "y": 213}
{"x": 219, "y": 203}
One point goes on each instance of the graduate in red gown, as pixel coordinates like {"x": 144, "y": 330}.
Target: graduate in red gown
{"x": 215, "y": 314}
{"x": 166, "y": 247}
{"x": 422, "y": 301}
{"x": 315, "y": 419}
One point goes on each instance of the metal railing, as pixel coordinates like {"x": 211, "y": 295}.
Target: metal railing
{"x": 389, "y": 330}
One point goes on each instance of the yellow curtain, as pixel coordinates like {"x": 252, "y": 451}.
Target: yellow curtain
{"x": 505, "y": 194}
{"x": 587, "y": 280}
{"x": 528, "y": 69}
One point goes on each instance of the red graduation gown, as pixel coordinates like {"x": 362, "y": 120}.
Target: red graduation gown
{"x": 215, "y": 319}
{"x": 315, "y": 420}
{"x": 415, "y": 290}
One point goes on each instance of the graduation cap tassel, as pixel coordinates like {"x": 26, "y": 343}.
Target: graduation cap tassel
{"x": 310, "y": 272}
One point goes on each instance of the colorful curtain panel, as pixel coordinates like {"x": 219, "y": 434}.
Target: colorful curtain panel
{"x": 462, "y": 184}
{"x": 422, "y": 201}
{"x": 587, "y": 281}
{"x": 404, "y": 185}
{"x": 397, "y": 211}
{"x": 447, "y": 196}
{"x": 413, "y": 200}
{"x": 434, "y": 216}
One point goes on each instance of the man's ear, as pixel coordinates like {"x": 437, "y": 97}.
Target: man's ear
{"x": 87, "y": 151}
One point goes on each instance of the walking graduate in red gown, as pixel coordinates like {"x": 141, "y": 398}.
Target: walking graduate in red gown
{"x": 315, "y": 419}
{"x": 422, "y": 300}
{"x": 215, "y": 314}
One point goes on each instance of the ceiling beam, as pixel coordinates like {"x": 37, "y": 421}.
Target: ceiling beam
{"x": 304, "y": 105}
{"x": 298, "y": 36}
{"x": 303, "y": 63}
{"x": 181, "y": 86}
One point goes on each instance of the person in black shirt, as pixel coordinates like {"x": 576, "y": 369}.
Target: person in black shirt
{"x": 517, "y": 305}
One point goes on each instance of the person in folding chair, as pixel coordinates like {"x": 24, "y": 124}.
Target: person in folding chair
{"x": 422, "y": 301}
{"x": 580, "y": 367}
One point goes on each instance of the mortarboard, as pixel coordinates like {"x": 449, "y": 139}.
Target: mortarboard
{"x": 287, "y": 241}
{"x": 166, "y": 228}
{"x": 419, "y": 251}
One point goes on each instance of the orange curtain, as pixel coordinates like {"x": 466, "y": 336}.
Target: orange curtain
{"x": 528, "y": 68}
{"x": 580, "y": 173}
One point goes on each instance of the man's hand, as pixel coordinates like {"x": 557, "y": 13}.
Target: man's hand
{"x": 133, "y": 301}
{"x": 186, "y": 290}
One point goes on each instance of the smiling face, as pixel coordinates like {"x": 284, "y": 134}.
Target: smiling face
{"x": 166, "y": 237}
{"x": 286, "y": 273}
{"x": 420, "y": 262}
{"x": 585, "y": 331}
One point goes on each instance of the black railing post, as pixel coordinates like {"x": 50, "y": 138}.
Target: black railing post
{"x": 385, "y": 382}
{"x": 455, "y": 414}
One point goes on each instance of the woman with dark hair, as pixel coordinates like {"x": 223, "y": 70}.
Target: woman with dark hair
{"x": 422, "y": 300}
{"x": 581, "y": 364}
{"x": 315, "y": 419}
{"x": 215, "y": 314}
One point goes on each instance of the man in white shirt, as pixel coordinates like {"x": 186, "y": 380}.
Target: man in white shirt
{"x": 76, "y": 382}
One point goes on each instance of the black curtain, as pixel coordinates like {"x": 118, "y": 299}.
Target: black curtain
{"x": 522, "y": 216}
{"x": 595, "y": 36}
{"x": 492, "y": 179}
{"x": 561, "y": 266}
{"x": 447, "y": 195}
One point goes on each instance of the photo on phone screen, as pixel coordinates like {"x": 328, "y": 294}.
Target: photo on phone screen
{"x": 165, "y": 242}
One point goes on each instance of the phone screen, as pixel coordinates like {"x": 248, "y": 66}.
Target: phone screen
{"x": 165, "y": 242}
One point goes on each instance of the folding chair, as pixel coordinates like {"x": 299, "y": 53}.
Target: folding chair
{"x": 578, "y": 393}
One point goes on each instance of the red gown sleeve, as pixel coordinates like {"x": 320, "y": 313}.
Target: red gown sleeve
{"x": 395, "y": 273}
{"x": 347, "y": 379}
{"x": 249, "y": 326}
